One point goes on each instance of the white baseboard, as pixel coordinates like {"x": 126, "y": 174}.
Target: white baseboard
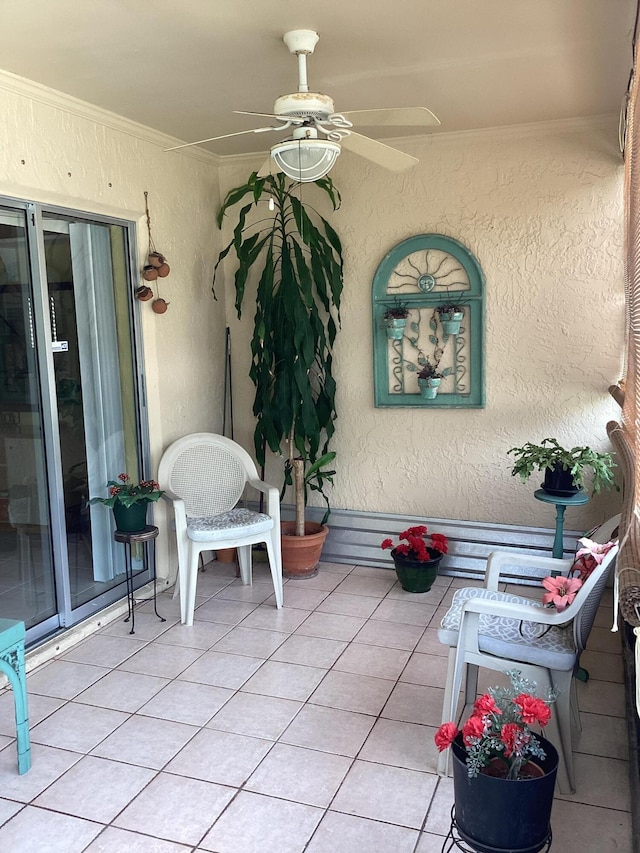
{"x": 355, "y": 537}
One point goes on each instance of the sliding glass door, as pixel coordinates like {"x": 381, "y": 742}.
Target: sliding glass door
{"x": 68, "y": 412}
{"x": 27, "y": 577}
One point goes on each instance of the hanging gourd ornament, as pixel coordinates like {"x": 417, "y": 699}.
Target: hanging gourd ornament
{"x": 149, "y": 273}
{"x": 156, "y": 267}
{"x": 144, "y": 293}
{"x": 159, "y": 306}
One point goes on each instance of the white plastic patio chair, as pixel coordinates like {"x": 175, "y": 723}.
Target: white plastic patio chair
{"x": 499, "y": 631}
{"x": 204, "y": 476}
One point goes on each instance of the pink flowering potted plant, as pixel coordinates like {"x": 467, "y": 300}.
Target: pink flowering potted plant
{"x": 129, "y": 501}
{"x": 416, "y": 557}
{"x": 502, "y": 769}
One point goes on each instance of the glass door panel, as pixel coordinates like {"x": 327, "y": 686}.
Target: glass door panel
{"x": 68, "y": 413}
{"x": 88, "y": 312}
{"x": 27, "y": 577}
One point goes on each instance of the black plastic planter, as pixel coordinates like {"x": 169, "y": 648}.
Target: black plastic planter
{"x": 496, "y": 815}
{"x": 559, "y": 482}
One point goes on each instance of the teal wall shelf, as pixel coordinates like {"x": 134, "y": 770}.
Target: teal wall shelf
{"x": 421, "y": 274}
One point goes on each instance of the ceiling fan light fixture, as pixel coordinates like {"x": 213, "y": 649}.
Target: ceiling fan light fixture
{"x": 305, "y": 160}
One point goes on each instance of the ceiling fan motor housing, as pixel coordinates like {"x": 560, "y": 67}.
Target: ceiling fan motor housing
{"x": 304, "y": 105}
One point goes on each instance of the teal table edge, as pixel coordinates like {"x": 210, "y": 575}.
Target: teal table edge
{"x": 560, "y": 503}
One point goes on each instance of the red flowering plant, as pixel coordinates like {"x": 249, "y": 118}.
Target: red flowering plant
{"x": 498, "y": 733}
{"x": 125, "y": 492}
{"x": 415, "y": 544}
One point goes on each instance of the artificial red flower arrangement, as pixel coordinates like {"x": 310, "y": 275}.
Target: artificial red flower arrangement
{"x": 415, "y": 544}
{"x": 497, "y": 737}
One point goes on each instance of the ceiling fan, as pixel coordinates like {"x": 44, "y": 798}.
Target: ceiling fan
{"x": 318, "y": 133}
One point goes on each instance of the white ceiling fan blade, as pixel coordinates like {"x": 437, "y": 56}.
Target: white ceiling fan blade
{"x": 224, "y": 136}
{"x": 393, "y": 117}
{"x": 288, "y": 119}
{"x": 378, "y": 152}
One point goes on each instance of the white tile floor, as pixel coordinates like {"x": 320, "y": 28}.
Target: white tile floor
{"x": 264, "y": 731}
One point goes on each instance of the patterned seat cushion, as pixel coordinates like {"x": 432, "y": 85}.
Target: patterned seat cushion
{"x": 236, "y": 522}
{"x": 513, "y": 639}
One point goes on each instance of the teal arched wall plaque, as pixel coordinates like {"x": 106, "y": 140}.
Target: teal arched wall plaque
{"x": 421, "y": 277}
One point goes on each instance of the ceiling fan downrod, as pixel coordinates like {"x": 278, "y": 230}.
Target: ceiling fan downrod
{"x": 301, "y": 43}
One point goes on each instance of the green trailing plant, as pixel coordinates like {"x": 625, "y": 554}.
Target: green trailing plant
{"x": 397, "y": 311}
{"x": 449, "y": 308}
{"x": 298, "y": 259}
{"x": 549, "y": 454}
{"x": 429, "y": 371}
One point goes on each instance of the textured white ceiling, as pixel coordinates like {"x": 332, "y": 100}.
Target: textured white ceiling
{"x": 183, "y": 66}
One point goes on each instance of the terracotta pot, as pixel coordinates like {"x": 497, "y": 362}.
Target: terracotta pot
{"x": 164, "y": 270}
{"x": 156, "y": 259}
{"x": 226, "y": 555}
{"x": 301, "y": 554}
{"x": 159, "y": 306}
{"x": 149, "y": 273}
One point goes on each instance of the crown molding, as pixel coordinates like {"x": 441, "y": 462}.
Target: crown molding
{"x": 579, "y": 124}
{"x": 59, "y": 100}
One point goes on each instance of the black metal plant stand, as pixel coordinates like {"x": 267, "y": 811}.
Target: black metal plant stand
{"x": 144, "y": 537}
{"x": 455, "y": 841}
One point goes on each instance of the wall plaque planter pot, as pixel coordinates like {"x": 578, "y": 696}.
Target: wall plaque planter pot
{"x": 451, "y": 322}
{"x": 494, "y": 814}
{"x": 417, "y": 575}
{"x": 301, "y": 554}
{"x": 429, "y": 388}
{"x": 395, "y": 328}
{"x": 131, "y": 519}
{"x": 559, "y": 482}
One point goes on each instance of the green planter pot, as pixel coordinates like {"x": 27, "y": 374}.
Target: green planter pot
{"x": 417, "y": 575}
{"x": 451, "y": 322}
{"x": 429, "y": 388}
{"x": 131, "y": 519}
{"x": 395, "y": 327}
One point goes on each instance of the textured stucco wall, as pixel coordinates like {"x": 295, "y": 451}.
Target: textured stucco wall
{"x": 50, "y": 154}
{"x": 541, "y": 209}
{"x": 58, "y": 151}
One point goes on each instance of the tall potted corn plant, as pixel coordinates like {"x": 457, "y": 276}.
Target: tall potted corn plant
{"x": 297, "y": 257}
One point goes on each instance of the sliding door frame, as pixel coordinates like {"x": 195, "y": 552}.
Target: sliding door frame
{"x": 35, "y": 228}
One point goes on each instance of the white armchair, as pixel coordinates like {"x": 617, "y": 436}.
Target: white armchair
{"x": 204, "y": 476}
{"x": 499, "y": 631}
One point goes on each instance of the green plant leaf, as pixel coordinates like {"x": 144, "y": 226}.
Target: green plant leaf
{"x": 297, "y": 257}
